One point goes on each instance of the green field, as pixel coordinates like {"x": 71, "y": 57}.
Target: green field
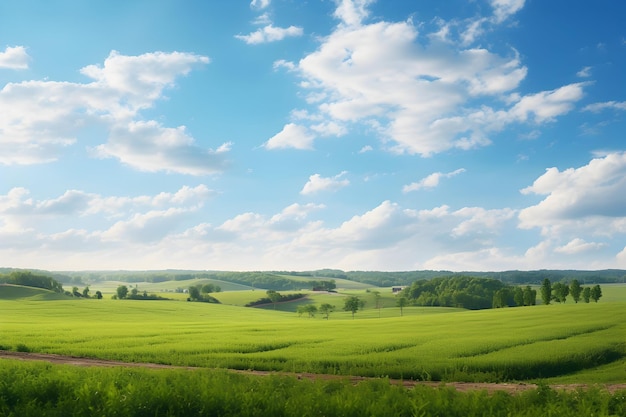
{"x": 571, "y": 342}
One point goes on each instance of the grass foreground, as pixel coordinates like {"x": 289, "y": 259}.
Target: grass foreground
{"x": 44, "y": 390}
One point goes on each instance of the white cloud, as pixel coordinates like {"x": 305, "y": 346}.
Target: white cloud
{"x": 547, "y": 105}
{"x": 260, "y": 4}
{"x": 592, "y": 197}
{"x": 366, "y": 148}
{"x": 431, "y": 180}
{"x": 148, "y": 146}
{"x": 352, "y": 12}
{"x": 584, "y": 72}
{"x": 318, "y": 183}
{"x": 14, "y": 57}
{"x": 270, "y": 33}
{"x": 577, "y": 246}
{"x": 422, "y": 95}
{"x": 598, "y": 107}
{"x": 41, "y": 118}
{"x": 503, "y": 9}
{"x": 292, "y": 136}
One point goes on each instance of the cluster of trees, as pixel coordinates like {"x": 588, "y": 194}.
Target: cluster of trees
{"x": 312, "y": 309}
{"x": 323, "y": 285}
{"x": 274, "y": 297}
{"x": 201, "y": 293}
{"x": 460, "y": 291}
{"x": 122, "y": 292}
{"x": 351, "y": 304}
{"x": 559, "y": 291}
{"x": 85, "y": 293}
{"x": 29, "y": 279}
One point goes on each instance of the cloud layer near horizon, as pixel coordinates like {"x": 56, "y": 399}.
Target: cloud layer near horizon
{"x": 466, "y": 237}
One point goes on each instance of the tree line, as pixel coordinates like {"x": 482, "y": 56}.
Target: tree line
{"x": 476, "y": 293}
{"x": 559, "y": 291}
{"x": 29, "y": 279}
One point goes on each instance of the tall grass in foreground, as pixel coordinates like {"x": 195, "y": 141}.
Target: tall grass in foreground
{"x": 43, "y": 390}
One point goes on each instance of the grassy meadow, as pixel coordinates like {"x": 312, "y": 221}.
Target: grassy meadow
{"x": 565, "y": 342}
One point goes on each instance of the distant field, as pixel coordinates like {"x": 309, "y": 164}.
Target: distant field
{"x": 572, "y": 342}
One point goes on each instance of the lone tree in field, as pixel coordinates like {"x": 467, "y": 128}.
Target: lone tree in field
{"x": 596, "y": 293}
{"x": 402, "y": 302}
{"x": 575, "y": 290}
{"x": 274, "y": 296}
{"x": 352, "y": 304}
{"x": 326, "y": 309}
{"x": 99, "y": 295}
{"x": 122, "y": 291}
{"x": 546, "y": 291}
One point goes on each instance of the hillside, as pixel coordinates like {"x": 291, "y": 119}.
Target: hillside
{"x": 18, "y": 292}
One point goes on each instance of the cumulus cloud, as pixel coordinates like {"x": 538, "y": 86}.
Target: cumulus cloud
{"x": 14, "y": 57}
{"x": 352, "y": 12}
{"x": 589, "y": 197}
{"x": 148, "y": 146}
{"x": 41, "y": 118}
{"x": 270, "y": 33}
{"x": 422, "y": 94}
{"x": 318, "y": 183}
{"x": 576, "y": 246}
{"x": 431, "y": 180}
{"x": 292, "y": 136}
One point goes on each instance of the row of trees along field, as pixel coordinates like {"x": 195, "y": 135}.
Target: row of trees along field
{"x": 480, "y": 293}
{"x": 559, "y": 291}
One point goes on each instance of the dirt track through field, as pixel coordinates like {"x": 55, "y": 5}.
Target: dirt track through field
{"x": 459, "y": 386}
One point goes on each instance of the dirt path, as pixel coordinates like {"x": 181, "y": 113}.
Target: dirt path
{"x": 459, "y": 386}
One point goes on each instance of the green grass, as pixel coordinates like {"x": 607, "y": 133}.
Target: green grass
{"x": 17, "y": 292}
{"x": 37, "y": 389}
{"x": 556, "y": 341}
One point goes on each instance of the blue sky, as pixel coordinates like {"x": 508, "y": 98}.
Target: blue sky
{"x": 296, "y": 135}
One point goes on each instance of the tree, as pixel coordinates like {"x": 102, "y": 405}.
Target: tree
{"x": 274, "y": 296}
{"x": 402, "y": 302}
{"x": 377, "y": 298}
{"x": 499, "y": 298}
{"x": 194, "y": 293}
{"x": 75, "y": 292}
{"x": 134, "y": 292}
{"x": 208, "y": 288}
{"x": 326, "y": 309}
{"x": 560, "y": 292}
{"x": 586, "y": 294}
{"x": 352, "y": 304}
{"x": 546, "y": 291}
{"x": 122, "y": 291}
{"x": 98, "y": 295}
{"x": 575, "y": 290}
{"x": 596, "y": 293}
{"x": 310, "y": 309}
{"x": 518, "y": 296}
{"x": 530, "y": 296}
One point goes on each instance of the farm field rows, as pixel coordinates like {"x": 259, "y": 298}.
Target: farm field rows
{"x": 570, "y": 342}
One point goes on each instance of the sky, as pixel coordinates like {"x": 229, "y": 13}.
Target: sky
{"x": 465, "y": 135}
